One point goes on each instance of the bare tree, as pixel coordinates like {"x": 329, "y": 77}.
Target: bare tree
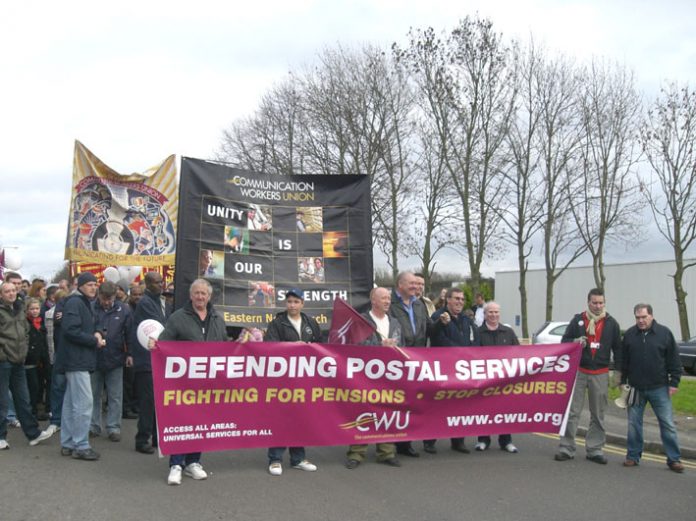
{"x": 433, "y": 221}
{"x": 271, "y": 139}
{"x": 609, "y": 207}
{"x": 467, "y": 96}
{"x": 523, "y": 209}
{"x": 668, "y": 136}
{"x": 558, "y": 139}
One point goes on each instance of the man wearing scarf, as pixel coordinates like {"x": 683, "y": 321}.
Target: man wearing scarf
{"x": 599, "y": 335}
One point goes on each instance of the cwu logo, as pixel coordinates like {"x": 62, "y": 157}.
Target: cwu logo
{"x": 384, "y": 421}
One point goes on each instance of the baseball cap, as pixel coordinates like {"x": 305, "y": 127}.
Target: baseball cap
{"x": 295, "y": 292}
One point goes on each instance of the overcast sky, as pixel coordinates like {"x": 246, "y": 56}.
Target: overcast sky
{"x": 137, "y": 81}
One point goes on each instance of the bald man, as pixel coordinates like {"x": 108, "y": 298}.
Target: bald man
{"x": 388, "y": 334}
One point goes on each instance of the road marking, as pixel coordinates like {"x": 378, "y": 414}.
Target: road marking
{"x": 621, "y": 451}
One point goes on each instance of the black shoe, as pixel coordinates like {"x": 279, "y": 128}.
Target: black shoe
{"x": 65, "y": 451}
{"x": 391, "y": 462}
{"x": 409, "y": 451}
{"x": 86, "y": 454}
{"x": 115, "y": 436}
{"x": 145, "y": 449}
{"x": 562, "y": 456}
{"x": 460, "y": 448}
{"x": 598, "y": 458}
{"x": 127, "y": 415}
{"x": 352, "y": 464}
{"x": 429, "y": 448}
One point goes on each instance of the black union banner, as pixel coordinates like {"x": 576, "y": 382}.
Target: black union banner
{"x": 255, "y": 236}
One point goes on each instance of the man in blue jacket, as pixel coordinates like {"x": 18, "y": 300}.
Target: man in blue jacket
{"x": 77, "y": 357}
{"x": 114, "y": 322}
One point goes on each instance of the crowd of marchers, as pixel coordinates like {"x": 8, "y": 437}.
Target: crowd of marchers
{"x": 70, "y": 356}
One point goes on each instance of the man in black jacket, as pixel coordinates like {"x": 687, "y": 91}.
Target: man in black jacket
{"x": 493, "y": 333}
{"x": 150, "y": 306}
{"x": 651, "y": 365}
{"x": 600, "y": 337}
{"x": 196, "y": 321}
{"x": 451, "y": 328}
{"x": 291, "y": 326}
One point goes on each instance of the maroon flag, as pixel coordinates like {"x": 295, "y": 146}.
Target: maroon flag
{"x": 2, "y": 265}
{"x": 347, "y": 325}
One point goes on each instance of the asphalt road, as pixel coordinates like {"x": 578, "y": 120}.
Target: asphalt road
{"x": 39, "y": 484}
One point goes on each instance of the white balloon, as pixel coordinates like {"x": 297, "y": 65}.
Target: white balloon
{"x": 123, "y": 272}
{"x": 13, "y": 260}
{"x": 111, "y": 274}
{"x": 148, "y": 329}
{"x": 133, "y": 272}
{"x": 129, "y": 272}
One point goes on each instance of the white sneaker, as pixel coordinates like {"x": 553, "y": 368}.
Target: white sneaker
{"x": 195, "y": 471}
{"x": 510, "y": 448}
{"x": 43, "y": 435}
{"x": 174, "y": 477}
{"x": 480, "y": 446}
{"x": 4, "y": 445}
{"x": 52, "y": 429}
{"x": 305, "y": 465}
{"x": 275, "y": 468}
{"x": 14, "y": 423}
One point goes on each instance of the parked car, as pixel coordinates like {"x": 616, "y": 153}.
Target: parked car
{"x": 687, "y": 354}
{"x": 549, "y": 333}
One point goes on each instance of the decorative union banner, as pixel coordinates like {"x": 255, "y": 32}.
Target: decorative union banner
{"x": 220, "y": 396}
{"x": 127, "y": 220}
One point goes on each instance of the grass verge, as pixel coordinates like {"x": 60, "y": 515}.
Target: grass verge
{"x": 683, "y": 402}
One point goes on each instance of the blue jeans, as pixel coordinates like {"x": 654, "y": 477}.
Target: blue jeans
{"x": 13, "y": 378}
{"x": 113, "y": 379}
{"x": 58, "y": 384}
{"x": 184, "y": 460}
{"x": 661, "y": 404}
{"x": 275, "y": 454}
{"x": 77, "y": 411}
{"x": 11, "y": 413}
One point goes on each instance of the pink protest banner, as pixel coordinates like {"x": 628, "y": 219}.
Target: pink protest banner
{"x": 220, "y": 396}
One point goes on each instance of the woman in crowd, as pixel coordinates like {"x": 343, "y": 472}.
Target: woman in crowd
{"x": 37, "y": 358}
